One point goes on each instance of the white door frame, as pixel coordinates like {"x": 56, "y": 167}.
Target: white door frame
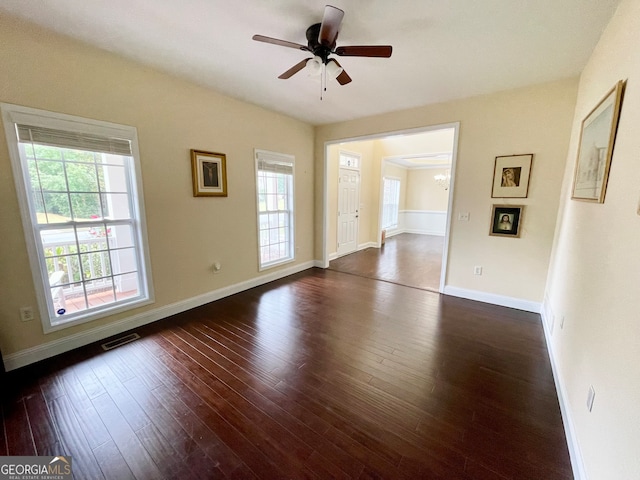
{"x": 325, "y": 222}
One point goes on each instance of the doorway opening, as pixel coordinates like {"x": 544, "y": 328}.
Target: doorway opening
{"x": 398, "y": 212}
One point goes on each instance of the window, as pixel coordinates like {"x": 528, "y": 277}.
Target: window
{"x": 80, "y": 198}
{"x": 349, "y": 160}
{"x": 275, "y": 208}
{"x": 390, "y": 202}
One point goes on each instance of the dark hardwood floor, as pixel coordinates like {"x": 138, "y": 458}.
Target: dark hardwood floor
{"x": 406, "y": 259}
{"x": 318, "y": 375}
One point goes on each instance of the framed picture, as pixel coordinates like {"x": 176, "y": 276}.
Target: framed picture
{"x": 597, "y": 136}
{"x": 506, "y": 220}
{"x": 511, "y": 176}
{"x": 209, "y": 173}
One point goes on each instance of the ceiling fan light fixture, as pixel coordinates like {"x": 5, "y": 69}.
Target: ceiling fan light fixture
{"x": 333, "y": 70}
{"x": 314, "y": 66}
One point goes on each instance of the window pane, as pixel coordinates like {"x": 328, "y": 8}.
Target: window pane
{"x": 120, "y": 235}
{"x": 56, "y": 207}
{"x": 124, "y": 261}
{"x": 116, "y": 206}
{"x": 113, "y": 178}
{"x": 45, "y": 151}
{"x": 51, "y": 175}
{"x": 86, "y": 206}
{"x": 102, "y": 297}
{"x": 95, "y": 265}
{"x": 82, "y": 177}
{"x": 127, "y": 285}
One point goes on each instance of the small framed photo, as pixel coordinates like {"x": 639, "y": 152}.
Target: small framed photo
{"x": 506, "y": 220}
{"x": 209, "y": 173}
{"x": 511, "y": 176}
{"x": 597, "y": 137}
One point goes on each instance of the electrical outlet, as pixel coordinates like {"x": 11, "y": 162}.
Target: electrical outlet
{"x": 26, "y": 314}
{"x": 590, "y": 397}
{"x": 477, "y": 270}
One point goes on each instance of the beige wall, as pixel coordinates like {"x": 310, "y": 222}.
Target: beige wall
{"x": 186, "y": 234}
{"x": 424, "y": 193}
{"x": 530, "y": 120}
{"x": 595, "y": 272}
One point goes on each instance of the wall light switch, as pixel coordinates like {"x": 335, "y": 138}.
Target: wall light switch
{"x": 463, "y": 216}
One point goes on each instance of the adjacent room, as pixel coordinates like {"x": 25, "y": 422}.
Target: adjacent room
{"x": 298, "y": 240}
{"x": 388, "y": 204}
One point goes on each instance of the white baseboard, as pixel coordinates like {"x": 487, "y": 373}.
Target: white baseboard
{"x": 577, "y": 462}
{"x": 511, "y": 302}
{"x": 425, "y": 232}
{"x": 56, "y": 347}
{"x": 362, "y": 246}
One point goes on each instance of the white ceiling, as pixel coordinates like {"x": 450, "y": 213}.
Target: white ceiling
{"x": 442, "y": 50}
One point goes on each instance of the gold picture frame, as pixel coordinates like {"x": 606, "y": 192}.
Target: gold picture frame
{"x": 597, "y": 138}
{"x": 511, "y": 175}
{"x": 209, "y": 174}
{"x": 506, "y": 220}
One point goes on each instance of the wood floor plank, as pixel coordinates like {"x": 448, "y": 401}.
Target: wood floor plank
{"x": 72, "y": 439}
{"x": 111, "y": 462}
{"x": 170, "y": 428}
{"x": 17, "y": 428}
{"x": 128, "y": 407}
{"x": 90, "y": 422}
{"x": 132, "y": 450}
{"x": 3, "y": 431}
{"x": 45, "y": 437}
{"x": 320, "y": 374}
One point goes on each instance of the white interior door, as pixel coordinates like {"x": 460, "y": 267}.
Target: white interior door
{"x": 348, "y": 206}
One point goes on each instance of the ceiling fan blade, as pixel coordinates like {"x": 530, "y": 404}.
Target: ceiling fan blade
{"x": 330, "y": 26}
{"x": 343, "y": 78}
{"x": 282, "y": 43}
{"x": 295, "y": 69}
{"x": 365, "y": 51}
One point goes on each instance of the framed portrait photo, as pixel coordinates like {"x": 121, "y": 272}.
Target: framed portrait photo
{"x": 511, "y": 176}
{"x": 506, "y": 220}
{"x": 597, "y": 137}
{"x": 209, "y": 174}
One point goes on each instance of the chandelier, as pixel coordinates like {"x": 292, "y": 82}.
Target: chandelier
{"x": 443, "y": 179}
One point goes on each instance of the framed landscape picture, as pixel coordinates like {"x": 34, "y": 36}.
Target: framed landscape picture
{"x": 506, "y": 220}
{"x": 209, "y": 174}
{"x": 511, "y": 176}
{"x": 597, "y": 137}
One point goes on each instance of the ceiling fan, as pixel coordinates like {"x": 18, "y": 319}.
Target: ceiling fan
{"x": 321, "y": 42}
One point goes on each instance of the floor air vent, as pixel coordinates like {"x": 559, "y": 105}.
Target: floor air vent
{"x": 120, "y": 341}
